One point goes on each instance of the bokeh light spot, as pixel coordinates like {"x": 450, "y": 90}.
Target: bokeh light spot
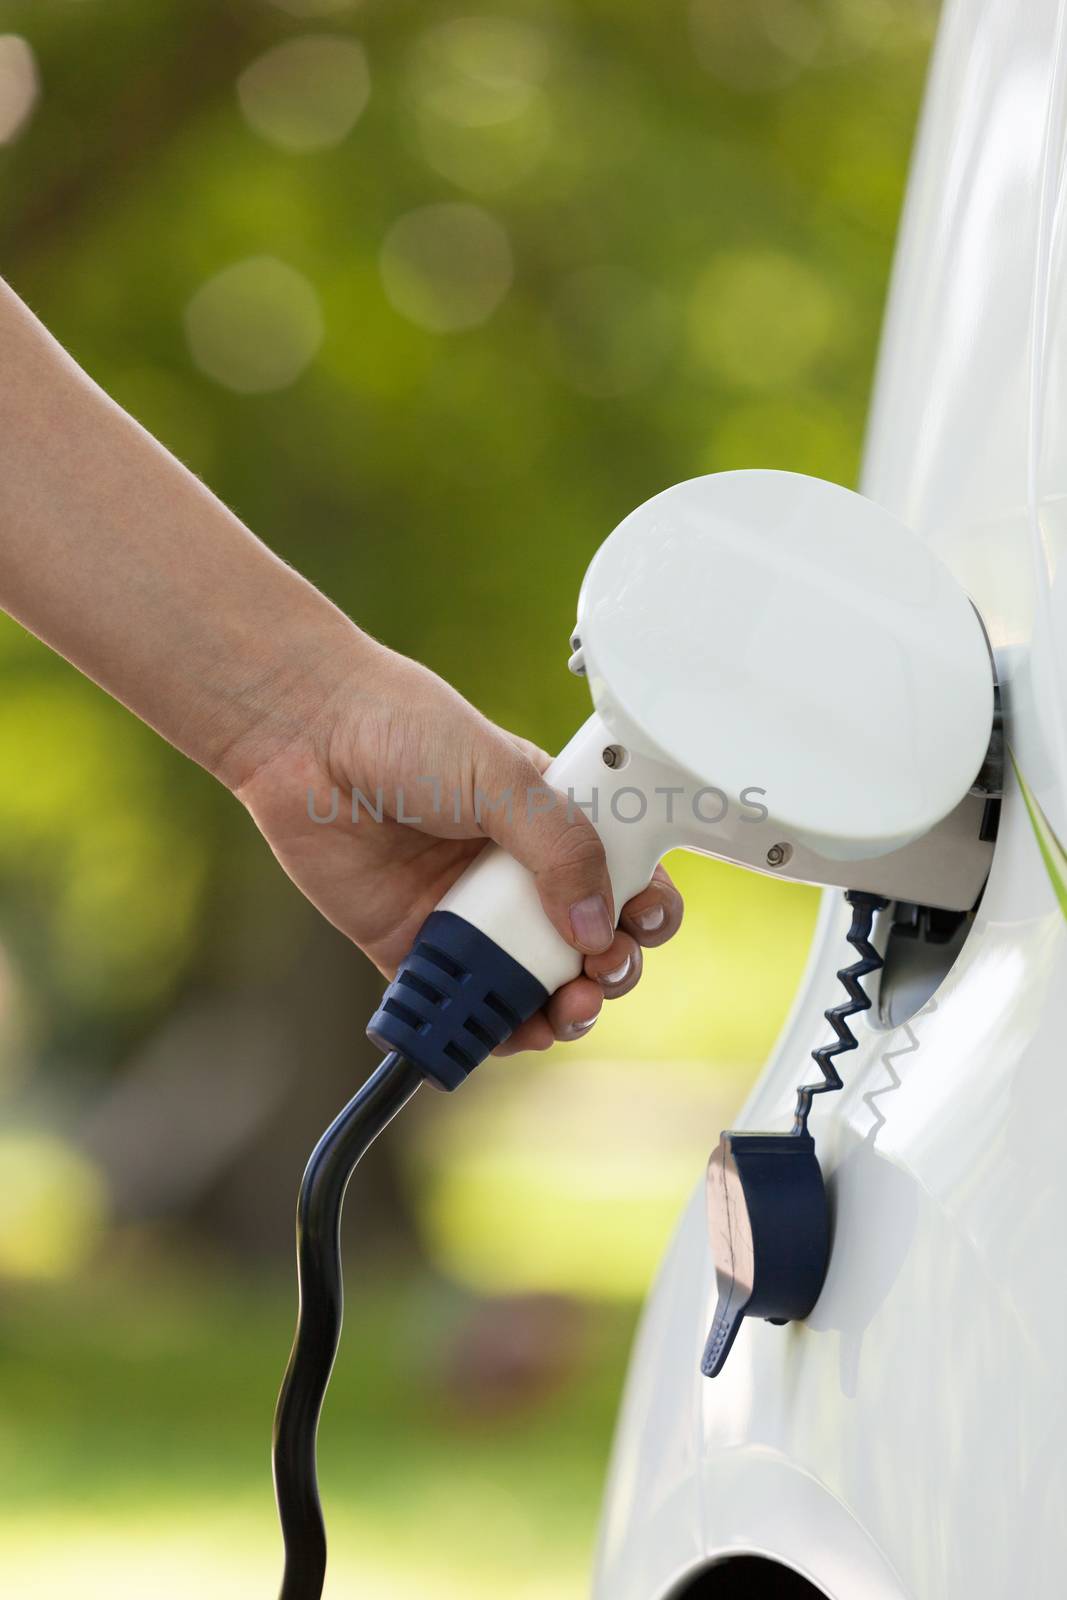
{"x": 860, "y": 27}
{"x": 475, "y": 71}
{"x": 306, "y": 94}
{"x": 486, "y": 160}
{"x": 19, "y": 85}
{"x": 446, "y": 267}
{"x": 612, "y": 331}
{"x": 759, "y": 46}
{"x": 255, "y": 326}
{"x": 482, "y": 114}
{"x": 798, "y": 432}
{"x": 759, "y": 318}
{"x": 315, "y": 8}
{"x": 53, "y": 1206}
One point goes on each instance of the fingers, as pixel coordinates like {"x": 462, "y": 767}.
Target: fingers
{"x": 616, "y": 969}
{"x": 533, "y": 1034}
{"x": 572, "y": 1010}
{"x": 649, "y": 919}
{"x": 655, "y": 915}
{"x": 608, "y": 975}
{"x": 563, "y": 850}
{"x": 556, "y": 842}
{"x": 569, "y": 1015}
{"x": 540, "y": 758}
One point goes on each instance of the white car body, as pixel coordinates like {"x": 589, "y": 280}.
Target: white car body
{"x": 910, "y": 1439}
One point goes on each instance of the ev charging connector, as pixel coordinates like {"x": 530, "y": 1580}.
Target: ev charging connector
{"x": 785, "y": 677}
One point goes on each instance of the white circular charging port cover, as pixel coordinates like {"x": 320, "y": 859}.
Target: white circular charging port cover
{"x": 769, "y": 630}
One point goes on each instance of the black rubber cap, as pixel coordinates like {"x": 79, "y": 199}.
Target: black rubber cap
{"x": 770, "y": 1231}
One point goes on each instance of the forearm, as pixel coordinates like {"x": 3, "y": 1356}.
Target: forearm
{"x": 121, "y": 560}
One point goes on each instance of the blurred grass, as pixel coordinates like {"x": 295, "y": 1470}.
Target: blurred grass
{"x": 134, "y": 1440}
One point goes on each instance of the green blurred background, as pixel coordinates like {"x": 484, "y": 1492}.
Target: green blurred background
{"x": 432, "y": 294}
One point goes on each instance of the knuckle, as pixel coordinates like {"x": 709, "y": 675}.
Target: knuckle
{"x": 577, "y": 848}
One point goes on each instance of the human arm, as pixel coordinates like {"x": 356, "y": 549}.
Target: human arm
{"x": 120, "y": 559}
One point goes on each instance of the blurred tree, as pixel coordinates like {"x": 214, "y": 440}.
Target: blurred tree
{"x": 431, "y": 295}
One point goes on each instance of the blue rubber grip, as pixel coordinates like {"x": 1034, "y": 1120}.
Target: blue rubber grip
{"x": 456, "y": 997}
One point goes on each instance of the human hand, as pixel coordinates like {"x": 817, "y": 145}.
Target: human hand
{"x": 392, "y": 725}
{"x": 123, "y": 561}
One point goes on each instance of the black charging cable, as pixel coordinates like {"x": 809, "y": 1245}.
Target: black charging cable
{"x": 456, "y": 996}
{"x": 318, "y": 1327}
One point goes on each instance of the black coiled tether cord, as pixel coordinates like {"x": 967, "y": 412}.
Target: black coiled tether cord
{"x": 318, "y": 1327}
{"x": 864, "y": 906}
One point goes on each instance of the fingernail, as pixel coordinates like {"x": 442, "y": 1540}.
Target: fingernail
{"x": 582, "y": 1027}
{"x": 591, "y": 923}
{"x": 612, "y": 978}
{"x": 648, "y": 921}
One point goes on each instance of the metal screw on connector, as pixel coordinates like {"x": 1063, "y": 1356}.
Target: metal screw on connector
{"x": 614, "y": 756}
{"x": 779, "y": 854}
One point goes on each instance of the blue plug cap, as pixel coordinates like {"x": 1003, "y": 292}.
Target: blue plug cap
{"x": 770, "y": 1233}
{"x": 456, "y": 997}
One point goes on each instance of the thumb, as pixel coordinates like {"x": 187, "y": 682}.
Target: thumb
{"x": 553, "y": 839}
